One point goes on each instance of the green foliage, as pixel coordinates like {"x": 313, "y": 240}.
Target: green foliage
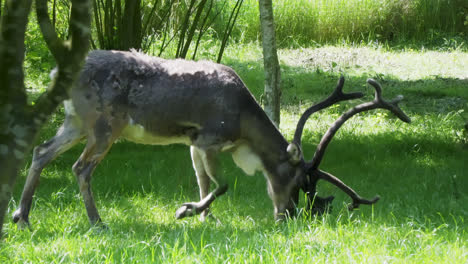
{"x": 38, "y": 61}
{"x": 418, "y": 169}
{"x": 306, "y": 22}
{"x": 434, "y": 24}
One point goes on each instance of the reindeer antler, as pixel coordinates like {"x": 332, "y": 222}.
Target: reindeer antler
{"x": 378, "y": 102}
{"x": 334, "y": 98}
{"x": 312, "y": 166}
{"x": 357, "y": 200}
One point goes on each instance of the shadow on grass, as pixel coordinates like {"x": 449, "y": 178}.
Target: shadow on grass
{"x": 306, "y": 85}
{"x": 413, "y": 175}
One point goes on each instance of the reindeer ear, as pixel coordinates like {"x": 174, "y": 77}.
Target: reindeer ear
{"x": 294, "y": 153}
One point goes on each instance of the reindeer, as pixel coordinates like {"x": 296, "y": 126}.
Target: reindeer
{"x": 204, "y": 105}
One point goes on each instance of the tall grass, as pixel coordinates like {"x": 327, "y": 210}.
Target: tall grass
{"x": 304, "y": 22}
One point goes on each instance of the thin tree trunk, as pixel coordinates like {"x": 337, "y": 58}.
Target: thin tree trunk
{"x": 150, "y": 17}
{"x": 117, "y": 28}
{"x": 188, "y": 41}
{"x": 270, "y": 61}
{"x": 184, "y": 28}
{"x": 131, "y": 25}
{"x": 54, "y": 13}
{"x": 19, "y": 121}
{"x": 166, "y": 42}
{"x": 165, "y": 26}
{"x": 203, "y": 28}
{"x": 98, "y": 23}
{"x": 229, "y": 27}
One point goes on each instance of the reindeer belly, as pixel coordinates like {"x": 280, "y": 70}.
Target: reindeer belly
{"x": 247, "y": 160}
{"x": 138, "y": 134}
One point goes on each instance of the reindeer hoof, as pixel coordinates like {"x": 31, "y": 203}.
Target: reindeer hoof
{"x": 21, "y": 222}
{"x": 375, "y": 199}
{"x": 212, "y": 219}
{"x": 353, "y": 206}
{"x": 187, "y": 209}
{"x": 22, "y": 225}
{"x": 322, "y": 205}
{"x": 100, "y": 226}
{"x": 16, "y": 216}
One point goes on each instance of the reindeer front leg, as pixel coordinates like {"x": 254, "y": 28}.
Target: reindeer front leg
{"x": 205, "y": 163}
{"x": 316, "y": 204}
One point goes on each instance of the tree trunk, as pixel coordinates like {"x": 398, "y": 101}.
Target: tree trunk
{"x": 131, "y": 25}
{"x": 230, "y": 25}
{"x": 19, "y": 121}
{"x": 12, "y": 97}
{"x": 54, "y": 13}
{"x": 191, "y": 32}
{"x": 184, "y": 28}
{"x": 118, "y": 24}
{"x": 272, "y": 91}
{"x": 203, "y": 27}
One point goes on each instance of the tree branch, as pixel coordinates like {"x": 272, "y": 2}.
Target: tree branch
{"x": 186, "y": 45}
{"x": 80, "y": 20}
{"x": 98, "y": 21}
{"x": 185, "y": 25}
{"x": 150, "y": 17}
{"x": 74, "y": 56}
{"x": 232, "y": 19}
{"x": 54, "y": 43}
{"x": 203, "y": 29}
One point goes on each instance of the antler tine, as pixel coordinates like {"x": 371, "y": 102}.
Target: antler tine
{"x": 392, "y": 105}
{"x": 378, "y": 102}
{"x": 335, "y": 97}
{"x": 357, "y": 200}
{"x": 377, "y": 88}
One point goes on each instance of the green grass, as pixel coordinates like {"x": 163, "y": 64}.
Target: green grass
{"x": 419, "y": 170}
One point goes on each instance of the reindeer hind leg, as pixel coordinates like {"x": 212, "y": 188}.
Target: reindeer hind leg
{"x": 100, "y": 139}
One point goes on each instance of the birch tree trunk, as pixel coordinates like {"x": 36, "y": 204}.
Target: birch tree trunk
{"x": 272, "y": 92}
{"x": 20, "y": 121}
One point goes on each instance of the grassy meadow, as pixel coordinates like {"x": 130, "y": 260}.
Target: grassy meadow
{"x": 418, "y": 169}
